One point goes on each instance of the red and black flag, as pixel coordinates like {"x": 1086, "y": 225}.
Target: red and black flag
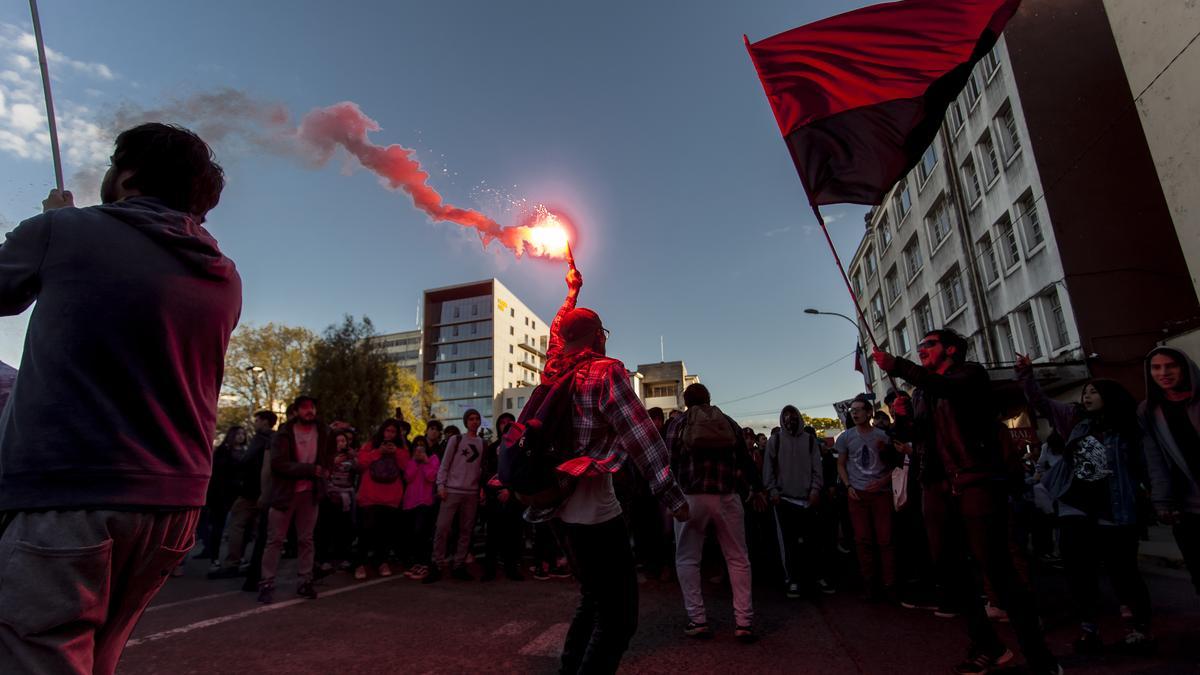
{"x": 859, "y": 96}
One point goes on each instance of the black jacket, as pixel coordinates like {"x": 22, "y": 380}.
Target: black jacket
{"x": 956, "y": 422}
{"x": 249, "y": 470}
{"x": 286, "y": 471}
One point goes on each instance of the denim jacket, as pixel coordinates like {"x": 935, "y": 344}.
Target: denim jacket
{"x": 1124, "y": 454}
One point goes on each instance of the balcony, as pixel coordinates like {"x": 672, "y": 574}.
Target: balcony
{"x": 531, "y": 349}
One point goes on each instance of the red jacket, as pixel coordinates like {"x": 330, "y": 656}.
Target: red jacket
{"x": 371, "y": 493}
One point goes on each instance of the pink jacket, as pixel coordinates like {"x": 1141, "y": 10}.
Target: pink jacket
{"x": 371, "y": 493}
{"x": 420, "y": 479}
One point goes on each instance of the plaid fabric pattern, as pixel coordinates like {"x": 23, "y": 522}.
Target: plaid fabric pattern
{"x": 710, "y": 472}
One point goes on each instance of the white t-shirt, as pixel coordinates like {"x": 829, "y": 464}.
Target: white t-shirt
{"x": 306, "y": 452}
{"x": 593, "y": 502}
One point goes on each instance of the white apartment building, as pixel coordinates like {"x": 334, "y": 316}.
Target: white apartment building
{"x": 403, "y": 349}
{"x": 965, "y": 242}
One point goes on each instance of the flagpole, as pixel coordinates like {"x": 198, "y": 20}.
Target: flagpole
{"x": 866, "y": 325}
{"x": 41, "y": 50}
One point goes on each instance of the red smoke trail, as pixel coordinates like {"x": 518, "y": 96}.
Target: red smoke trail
{"x": 545, "y": 233}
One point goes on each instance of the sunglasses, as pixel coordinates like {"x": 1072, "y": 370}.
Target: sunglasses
{"x": 926, "y": 344}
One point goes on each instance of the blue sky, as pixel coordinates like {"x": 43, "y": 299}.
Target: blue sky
{"x": 644, "y": 120}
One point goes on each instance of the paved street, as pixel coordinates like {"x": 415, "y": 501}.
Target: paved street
{"x": 397, "y": 625}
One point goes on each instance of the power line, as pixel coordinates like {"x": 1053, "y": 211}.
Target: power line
{"x": 789, "y": 382}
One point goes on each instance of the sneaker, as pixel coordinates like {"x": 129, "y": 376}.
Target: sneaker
{"x": 793, "y": 591}
{"x": 214, "y": 566}
{"x": 419, "y": 572}
{"x": 266, "y": 593}
{"x": 326, "y": 567}
{"x": 994, "y": 613}
{"x": 513, "y": 573}
{"x": 744, "y": 634}
{"x": 979, "y": 661}
{"x": 1137, "y": 642}
{"x": 697, "y": 630}
{"x": 306, "y": 590}
{"x": 541, "y": 574}
{"x": 460, "y": 572}
{"x": 435, "y": 574}
{"x": 946, "y": 612}
{"x": 360, "y": 573}
{"x": 385, "y": 570}
{"x": 825, "y": 587}
{"x": 344, "y": 565}
{"x": 917, "y": 602}
{"x": 560, "y": 572}
{"x": 1088, "y": 642}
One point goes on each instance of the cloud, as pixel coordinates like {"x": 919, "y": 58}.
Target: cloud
{"x": 777, "y": 231}
{"x": 23, "y": 129}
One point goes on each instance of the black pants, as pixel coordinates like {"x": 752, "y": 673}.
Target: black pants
{"x": 979, "y": 516}
{"x": 1085, "y": 546}
{"x": 1187, "y": 537}
{"x": 260, "y": 546}
{"x": 505, "y": 533}
{"x": 417, "y": 525}
{"x": 377, "y": 533}
{"x": 335, "y": 532}
{"x": 607, "y": 616}
{"x": 799, "y": 535}
{"x": 218, "y": 513}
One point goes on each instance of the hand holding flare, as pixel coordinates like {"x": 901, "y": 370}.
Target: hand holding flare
{"x": 574, "y": 277}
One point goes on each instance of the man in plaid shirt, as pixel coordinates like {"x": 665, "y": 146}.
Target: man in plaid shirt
{"x": 610, "y": 425}
{"x": 712, "y": 480}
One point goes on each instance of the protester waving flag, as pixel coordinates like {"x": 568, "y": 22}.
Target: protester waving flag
{"x": 859, "y": 96}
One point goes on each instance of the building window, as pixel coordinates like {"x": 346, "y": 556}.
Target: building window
{"x": 892, "y": 283}
{"x": 928, "y": 163}
{"x": 970, "y": 177}
{"x": 912, "y": 258}
{"x": 872, "y": 265}
{"x": 510, "y": 367}
{"x": 956, "y": 115}
{"x": 662, "y": 391}
{"x": 454, "y": 331}
{"x": 902, "y": 341}
{"x": 991, "y": 62}
{"x": 1028, "y": 217}
{"x": 520, "y": 401}
{"x": 508, "y": 404}
{"x": 991, "y": 271}
{"x": 1058, "y": 319}
{"x": 510, "y": 349}
{"x": 512, "y": 313}
{"x": 456, "y": 311}
{"x": 1029, "y": 332}
{"x": 991, "y": 160}
{"x": 453, "y": 368}
{"x": 951, "y": 289}
{"x": 885, "y": 233}
{"x": 533, "y": 324}
{"x": 512, "y": 331}
{"x": 474, "y": 309}
{"x": 974, "y": 90}
{"x": 924, "y": 314}
{"x": 902, "y": 199}
{"x": 1008, "y": 242}
{"x": 877, "y": 308}
{"x": 1010, "y": 139}
{"x": 856, "y": 279}
{"x": 938, "y": 223}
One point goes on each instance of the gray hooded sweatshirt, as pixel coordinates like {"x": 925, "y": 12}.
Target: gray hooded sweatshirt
{"x": 792, "y": 466}
{"x": 115, "y": 402}
{"x": 1172, "y": 483}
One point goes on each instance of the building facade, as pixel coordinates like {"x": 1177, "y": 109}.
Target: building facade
{"x": 478, "y": 340}
{"x": 403, "y": 349}
{"x": 662, "y": 384}
{"x": 963, "y": 241}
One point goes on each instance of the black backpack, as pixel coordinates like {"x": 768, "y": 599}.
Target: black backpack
{"x": 538, "y": 442}
{"x": 385, "y": 469}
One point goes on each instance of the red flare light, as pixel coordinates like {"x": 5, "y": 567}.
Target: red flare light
{"x": 546, "y": 234}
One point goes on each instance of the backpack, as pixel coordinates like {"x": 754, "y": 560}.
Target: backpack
{"x": 538, "y": 442}
{"x": 707, "y": 428}
{"x": 385, "y": 469}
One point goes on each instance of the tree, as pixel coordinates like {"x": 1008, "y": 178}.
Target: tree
{"x": 281, "y": 352}
{"x": 352, "y": 379}
{"x": 822, "y": 423}
{"x": 415, "y": 399}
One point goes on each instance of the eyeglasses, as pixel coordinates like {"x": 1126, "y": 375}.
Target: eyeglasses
{"x": 606, "y": 332}
{"x": 926, "y": 344}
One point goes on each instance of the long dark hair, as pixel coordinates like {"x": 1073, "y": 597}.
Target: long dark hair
{"x": 377, "y": 438}
{"x": 1120, "y": 407}
{"x": 230, "y": 434}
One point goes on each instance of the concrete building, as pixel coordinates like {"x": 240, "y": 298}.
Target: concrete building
{"x": 403, "y": 349}
{"x": 1017, "y": 228}
{"x": 479, "y": 340}
{"x": 662, "y": 384}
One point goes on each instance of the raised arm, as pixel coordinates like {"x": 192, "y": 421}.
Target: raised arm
{"x": 1062, "y": 416}
{"x": 574, "y": 284}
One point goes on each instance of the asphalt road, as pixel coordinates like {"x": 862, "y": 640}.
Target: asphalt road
{"x": 396, "y": 625}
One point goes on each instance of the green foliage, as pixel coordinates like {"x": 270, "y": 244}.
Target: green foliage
{"x": 821, "y": 423}
{"x": 352, "y": 378}
{"x": 281, "y": 352}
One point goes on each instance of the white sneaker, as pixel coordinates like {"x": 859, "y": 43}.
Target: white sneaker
{"x": 384, "y": 570}
{"x": 994, "y": 613}
{"x": 360, "y": 573}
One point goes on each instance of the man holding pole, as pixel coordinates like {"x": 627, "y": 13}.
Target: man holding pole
{"x": 106, "y": 443}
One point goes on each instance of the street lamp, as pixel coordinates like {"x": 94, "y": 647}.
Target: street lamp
{"x": 254, "y": 371}
{"x": 854, "y": 323}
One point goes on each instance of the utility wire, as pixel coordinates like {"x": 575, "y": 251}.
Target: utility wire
{"x": 789, "y": 382}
